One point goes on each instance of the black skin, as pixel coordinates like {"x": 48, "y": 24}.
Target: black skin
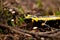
{"x": 52, "y": 23}
{"x": 40, "y": 27}
{"x": 29, "y": 24}
{"x": 28, "y": 20}
{"x": 36, "y": 24}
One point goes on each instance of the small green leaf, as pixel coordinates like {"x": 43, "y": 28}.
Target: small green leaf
{"x": 21, "y": 19}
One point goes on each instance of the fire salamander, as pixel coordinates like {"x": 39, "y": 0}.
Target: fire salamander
{"x": 45, "y": 22}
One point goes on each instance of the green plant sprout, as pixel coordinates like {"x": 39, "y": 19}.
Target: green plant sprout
{"x": 20, "y": 9}
{"x": 21, "y": 20}
{"x": 57, "y": 13}
{"x": 39, "y": 4}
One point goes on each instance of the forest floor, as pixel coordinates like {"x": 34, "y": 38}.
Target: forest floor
{"x": 13, "y": 27}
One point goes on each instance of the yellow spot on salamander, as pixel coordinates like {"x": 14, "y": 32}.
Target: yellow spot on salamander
{"x": 36, "y": 19}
